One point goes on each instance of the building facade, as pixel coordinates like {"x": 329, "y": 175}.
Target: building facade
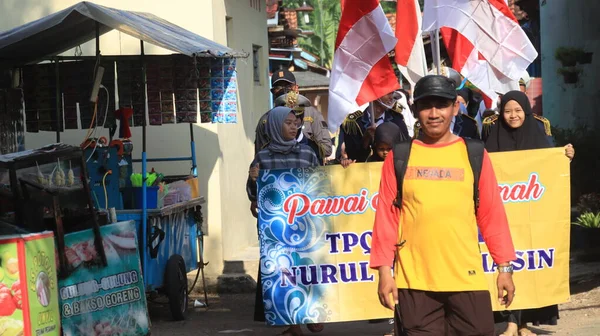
{"x": 574, "y": 25}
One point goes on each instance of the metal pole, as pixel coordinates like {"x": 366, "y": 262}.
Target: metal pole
{"x": 58, "y": 114}
{"x": 144, "y": 247}
{"x": 425, "y": 70}
{"x": 271, "y": 99}
{"x": 192, "y": 144}
{"x": 97, "y": 39}
{"x": 438, "y": 61}
{"x": 193, "y": 149}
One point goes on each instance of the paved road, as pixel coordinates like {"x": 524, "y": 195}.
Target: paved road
{"x": 232, "y": 315}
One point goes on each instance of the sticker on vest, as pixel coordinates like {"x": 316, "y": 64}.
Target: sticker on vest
{"x": 435, "y": 173}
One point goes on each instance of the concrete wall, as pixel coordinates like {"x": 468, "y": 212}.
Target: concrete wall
{"x": 572, "y": 23}
{"x": 241, "y": 230}
{"x": 224, "y": 151}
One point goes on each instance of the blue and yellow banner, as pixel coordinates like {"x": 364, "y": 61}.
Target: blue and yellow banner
{"x": 315, "y": 229}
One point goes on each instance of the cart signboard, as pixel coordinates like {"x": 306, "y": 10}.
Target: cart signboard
{"x": 98, "y": 300}
{"x": 28, "y": 286}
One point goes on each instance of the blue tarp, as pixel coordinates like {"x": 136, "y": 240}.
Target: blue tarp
{"x": 64, "y": 30}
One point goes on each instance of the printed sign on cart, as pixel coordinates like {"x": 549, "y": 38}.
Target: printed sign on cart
{"x": 98, "y": 300}
{"x": 28, "y": 288}
{"x": 315, "y": 228}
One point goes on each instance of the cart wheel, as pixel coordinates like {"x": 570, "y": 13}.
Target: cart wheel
{"x": 176, "y": 286}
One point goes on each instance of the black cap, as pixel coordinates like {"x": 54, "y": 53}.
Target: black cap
{"x": 282, "y": 75}
{"x": 465, "y": 93}
{"x": 435, "y": 86}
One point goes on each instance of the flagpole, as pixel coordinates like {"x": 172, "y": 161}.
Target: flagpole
{"x": 438, "y": 61}
{"x": 425, "y": 70}
{"x": 372, "y": 113}
{"x": 433, "y": 53}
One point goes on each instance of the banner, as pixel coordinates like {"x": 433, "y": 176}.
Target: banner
{"x": 28, "y": 289}
{"x": 315, "y": 227}
{"x": 109, "y": 300}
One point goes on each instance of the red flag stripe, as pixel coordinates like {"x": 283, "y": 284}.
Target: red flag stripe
{"x": 407, "y": 29}
{"x": 359, "y": 8}
{"x": 487, "y": 101}
{"x": 458, "y": 47}
{"x": 381, "y": 81}
{"x": 503, "y": 7}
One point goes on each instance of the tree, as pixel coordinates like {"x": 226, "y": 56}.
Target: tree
{"x": 323, "y": 22}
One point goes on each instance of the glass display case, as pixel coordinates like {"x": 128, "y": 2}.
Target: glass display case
{"x": 47, "y": 189}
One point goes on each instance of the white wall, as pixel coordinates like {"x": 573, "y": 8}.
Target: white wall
{"x": 223, "y": 151}
{"x": 241, "y": 229}
{"x": 572, "y": 23}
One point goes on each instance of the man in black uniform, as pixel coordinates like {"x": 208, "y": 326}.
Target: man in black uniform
{"x": 464, "y": 124}
{"x": 358, "y": 130}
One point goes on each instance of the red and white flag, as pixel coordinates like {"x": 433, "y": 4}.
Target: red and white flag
{"x": 473, "y": 66}
{"x": 410, "y": 55}
{"x": 491, "y": 28}
{"x": 361, "y": 71}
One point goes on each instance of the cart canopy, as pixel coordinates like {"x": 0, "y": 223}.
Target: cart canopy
{"x": 64, "y": 30}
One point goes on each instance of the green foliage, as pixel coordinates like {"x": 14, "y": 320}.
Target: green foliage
{"x": 390, "y": 6}
{"x": 585, "y": 177}
{"x": 568, "y": 70}
{"x": 588, "y": 220}
{"x": 324, "y": 23}
{"x": 568, "y": 55}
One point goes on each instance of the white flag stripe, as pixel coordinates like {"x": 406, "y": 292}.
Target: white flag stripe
{"x": 416, "y": 67}
{"x": 486, "y": 78}
{"x": 369, "y": 40}
{"x": 497, "y": 37}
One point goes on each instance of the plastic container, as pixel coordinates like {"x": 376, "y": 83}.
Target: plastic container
{"x": 151, "y": 197}
{"x": 173, "y": 197}
{"x": 184, "y": 189}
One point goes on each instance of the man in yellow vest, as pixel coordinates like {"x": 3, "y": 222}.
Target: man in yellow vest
{"x": 429, "y": 229}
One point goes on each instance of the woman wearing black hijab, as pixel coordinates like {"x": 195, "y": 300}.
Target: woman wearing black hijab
{"x": 518, "y": 129}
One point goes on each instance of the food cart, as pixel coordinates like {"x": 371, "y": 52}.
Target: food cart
{"x": 44, "y": 196}
{"x": 170, "y": 238}
{"x": 46, "y": 189}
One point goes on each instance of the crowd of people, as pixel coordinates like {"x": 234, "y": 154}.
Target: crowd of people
{"x": 438, "y": 287}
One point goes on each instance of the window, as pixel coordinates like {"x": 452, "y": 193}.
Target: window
{"x": 256, "y": 63}
{"x": 229, "y": 31}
